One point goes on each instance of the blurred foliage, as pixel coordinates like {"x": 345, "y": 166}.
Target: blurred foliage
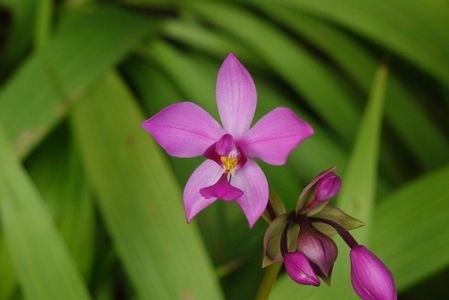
{"x": 90, "y": 206}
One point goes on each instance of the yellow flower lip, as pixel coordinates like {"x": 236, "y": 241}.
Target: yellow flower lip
{"x": 229, "y": 163}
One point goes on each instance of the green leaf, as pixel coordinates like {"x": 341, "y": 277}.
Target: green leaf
{"x": 410, "y": 229}
{"x": 357, "y": 196}
{"x": 213, "y": 42}
{"x": 139, "y": 198}
{"x": 7, "y": 271}
{"x": 43, "y": 89}
{"x": 57, "y": 173}
{"x": 411, "y": 28}
{"x": 44, "y": 266}
{"x": 18, "y": 38}
{"x": 309, "y": 77}
{"x": 402, "y": 111}
{"x": 44, "y": 20}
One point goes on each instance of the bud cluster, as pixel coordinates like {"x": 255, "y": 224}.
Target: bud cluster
{"x": 301, "y": 240}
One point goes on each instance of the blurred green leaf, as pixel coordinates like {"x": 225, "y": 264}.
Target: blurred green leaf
{"x": 414, "y": 29}
{"x": 18, "y": 38}
{"x": 214, "y": 42}
{"x": 401, "y": 108}
{"x": 410, "y": 229}
{"x": 322, "y": 90}
{"x": 43, "y": 89}
{"x": 43, "y": 24}
{"x": 357, "y": 196}
{"x": 7, "y": 271}
{"x": 139, "y": 199}
{"x": 44, "y": 266}
{"x": 68, "y": 200}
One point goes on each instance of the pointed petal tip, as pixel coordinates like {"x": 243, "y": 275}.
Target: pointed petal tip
{"x": 189, "y": 215}
{"x": 252, "y": 220}
{"x": 251, "y": 223}
{"x": 231, "y": 55}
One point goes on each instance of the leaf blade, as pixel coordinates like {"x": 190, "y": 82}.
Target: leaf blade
{"x": 45, "y": 269}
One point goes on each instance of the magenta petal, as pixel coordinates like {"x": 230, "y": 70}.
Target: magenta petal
{"x": 370, "y": 278}
{"x": 300, "y": 270}
{"x": 252, "y": 181}
{"x": 275, "y": 136}
{"x": 327, "y": 188}
{"x": 225, "y": 145}
{"x": 205, "y": 175}
{"x": 236, "y": 96}
{"x": 221, "y": 190}
{"x": 184, "y": 129}
{"x": 319, "y": 248}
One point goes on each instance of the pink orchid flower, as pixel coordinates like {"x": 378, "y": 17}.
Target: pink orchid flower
{"x": 230, "y": 172}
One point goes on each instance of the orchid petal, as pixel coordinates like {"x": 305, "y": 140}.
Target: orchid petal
{"x": 236, "y": 96}
{"x": 252, "y": 181}
{"x": 184, "y": 129}
{"x": 319, "y": 249}
{"x": 225, "y": 145}
{"x": 299, "y": 269}
{"x": 222, "y": 189}
{"x": 205, "y": 175}
{"x": 275, "y": 136}
{"x": 370, "y": 278}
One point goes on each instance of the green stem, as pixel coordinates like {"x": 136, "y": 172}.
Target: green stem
{"x": 268, "y": 280}
{"x": 43, "y": 26}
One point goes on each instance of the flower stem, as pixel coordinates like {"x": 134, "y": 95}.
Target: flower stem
{"x": 271, "y": 273}
{"x": 345, "y": 235}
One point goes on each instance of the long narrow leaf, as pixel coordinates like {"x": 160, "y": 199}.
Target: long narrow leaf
{"x": 411, "y": 28}
{"x": 69, "y": 200}
{"x": 401, "y": 108}
{"x": 44, "y": 266}
{"x": 410, "y": 229}
{"x": 42, "y": 90}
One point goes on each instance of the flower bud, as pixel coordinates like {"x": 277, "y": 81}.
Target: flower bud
{"x": 299, "y": 269}
{"x": 370, "y": 278}
{"x": 327, "y": 187}
{"x": 322, "y": 188}
{"x": 319, "y": 249}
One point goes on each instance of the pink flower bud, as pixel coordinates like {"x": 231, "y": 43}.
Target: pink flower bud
{"x": 322, "y": 188}
{"x": 370, "y": 278}
{"x": 327, "y": 187}
{"x": 319, "y": 249}
{"x": 300, "y": 270}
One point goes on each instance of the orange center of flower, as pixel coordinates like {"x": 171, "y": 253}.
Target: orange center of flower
{"x": 229, "y": 163}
